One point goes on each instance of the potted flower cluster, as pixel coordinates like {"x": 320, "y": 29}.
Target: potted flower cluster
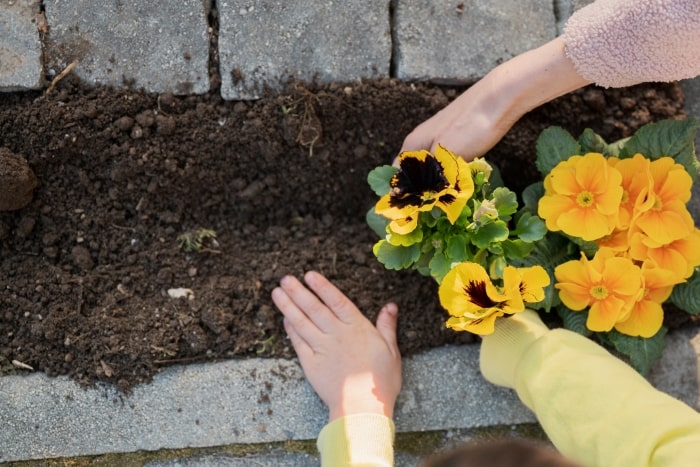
{"x": 604, "y": 239}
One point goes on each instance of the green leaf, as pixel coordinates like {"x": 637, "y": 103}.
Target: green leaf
{"x": 642, "y": 352}
{"x": 549, "y": 252}
{"x": 686, "y": 296}
{"x": 516, "y": 248}
{"x": 494, "y": 232}
{"x": 495, "y": 180}
{"x": 457, "y": 249}
{"x": 531, "y": 196}
{"x": 554, "y": 145}
{"x": 377, "y": 223}
{"x": 496, "y": 267}
{"x": 590, "y": 141}
{"x": 615, "y": 148}
{"x": 574, "y": 320}
{"x": 379, "y": 179}
{"x": 439, "y": 266}
{"x": 506, "y": 202}
{"x": 530, "y": 228}
{"x": 415, "y": 236}
{"x": 674, "y": 138}
{"x": 396, "y": 257}
{"x": 588, "y": 247}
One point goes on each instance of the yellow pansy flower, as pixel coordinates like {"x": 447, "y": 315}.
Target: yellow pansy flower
{"x": 472, "y": 300}
{"x": 529, "y": 282}
{"x": 582, "y": 197}
{"x": 422, "y": 182}
{"x": 647, "y": 315}
{"x": 609, "y": 285}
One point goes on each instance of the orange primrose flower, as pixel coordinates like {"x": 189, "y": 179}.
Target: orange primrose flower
{"x": 582, "y": 197}
{"x": 637, "y": 183}
{"x": 668, "y": 218}
{"x": 647, "y": 315}
{"x": 681, "y": 256}
{"x": 609, "y": 285}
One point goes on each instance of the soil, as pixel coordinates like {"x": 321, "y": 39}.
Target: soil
{"x": 86, "y": 267}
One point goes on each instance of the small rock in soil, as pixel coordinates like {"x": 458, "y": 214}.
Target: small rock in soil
{"x": 17, "y": 181}
{"x": 82, "y": 258}
{"x": 25, "y": 226}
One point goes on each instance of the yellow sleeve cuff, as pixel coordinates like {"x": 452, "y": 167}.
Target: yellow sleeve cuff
{"x": 359, "y": 440}
{"x": 501, "y": 351}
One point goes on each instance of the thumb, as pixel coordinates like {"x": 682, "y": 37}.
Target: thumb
{"x": 386, "y": 324}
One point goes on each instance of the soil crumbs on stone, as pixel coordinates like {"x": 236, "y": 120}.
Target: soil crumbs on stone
{"x": 86, "y": 267}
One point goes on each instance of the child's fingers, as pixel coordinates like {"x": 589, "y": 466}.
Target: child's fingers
{"x": 295, "y": 317}
{"x": 302, "y": 348}
{"x": 308, "y": 303}
{"x": 336, "y": 300}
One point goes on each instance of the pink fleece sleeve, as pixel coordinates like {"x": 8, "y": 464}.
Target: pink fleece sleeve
{"x": 617, "y": 43}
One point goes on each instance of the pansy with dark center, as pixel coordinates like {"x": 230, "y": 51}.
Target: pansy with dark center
{"x": 476, "y": 293}
{"x": 416, "y": 181}
{"x": 425, "y": 181}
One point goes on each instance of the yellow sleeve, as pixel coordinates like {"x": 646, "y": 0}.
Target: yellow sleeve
{"x": 360, "y": 440}
{"x": 595, "y": 408}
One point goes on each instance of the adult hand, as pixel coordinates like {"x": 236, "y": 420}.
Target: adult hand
{"x": 474, "y": 122}
{"x": 470, "y": 125}
{"x": 352, "y": 365}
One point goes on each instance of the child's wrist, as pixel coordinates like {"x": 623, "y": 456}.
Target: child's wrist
{"x": 357, "y": 406}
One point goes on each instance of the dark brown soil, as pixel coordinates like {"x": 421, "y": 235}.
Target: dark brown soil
{"x": 86, "y": 266}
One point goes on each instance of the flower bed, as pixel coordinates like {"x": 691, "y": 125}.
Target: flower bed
{"x": 86, "y": 268}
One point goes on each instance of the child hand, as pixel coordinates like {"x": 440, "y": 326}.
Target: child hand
{"x": 352, "y": 365}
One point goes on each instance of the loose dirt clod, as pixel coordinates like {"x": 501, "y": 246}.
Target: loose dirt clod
{"x": 17, "y": 181}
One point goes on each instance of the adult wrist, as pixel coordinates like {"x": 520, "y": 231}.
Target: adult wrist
{"x": 535, "y": 77}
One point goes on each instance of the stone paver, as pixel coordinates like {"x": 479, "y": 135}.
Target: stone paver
{"x": 159, "y": 46}
{"x": 266, "y": 400}
{"x": 232, "y": 402}
{"x": 20, "y": 48}
{"x": 266, "y": 43}
{"x": 454, "y": 42}
{"x": 164, "y": 46}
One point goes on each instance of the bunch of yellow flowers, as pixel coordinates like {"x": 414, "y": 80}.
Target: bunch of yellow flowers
{"x": 635, "y": 210}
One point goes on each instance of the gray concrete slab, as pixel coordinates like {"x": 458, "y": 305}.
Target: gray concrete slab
{"x": 232, "y": 402}
{"x": 266, "y": 400}
{"x": 266, "y": 43}
{"x": 20, "y": 47}
{"x": 158, "y": 46}
{"x": 454, "y": 42}
{"x": 272, "y": 459}
{"x": 563, "y": 9}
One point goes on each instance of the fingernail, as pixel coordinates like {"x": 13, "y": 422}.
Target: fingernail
{"x": 310, "y": 276}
